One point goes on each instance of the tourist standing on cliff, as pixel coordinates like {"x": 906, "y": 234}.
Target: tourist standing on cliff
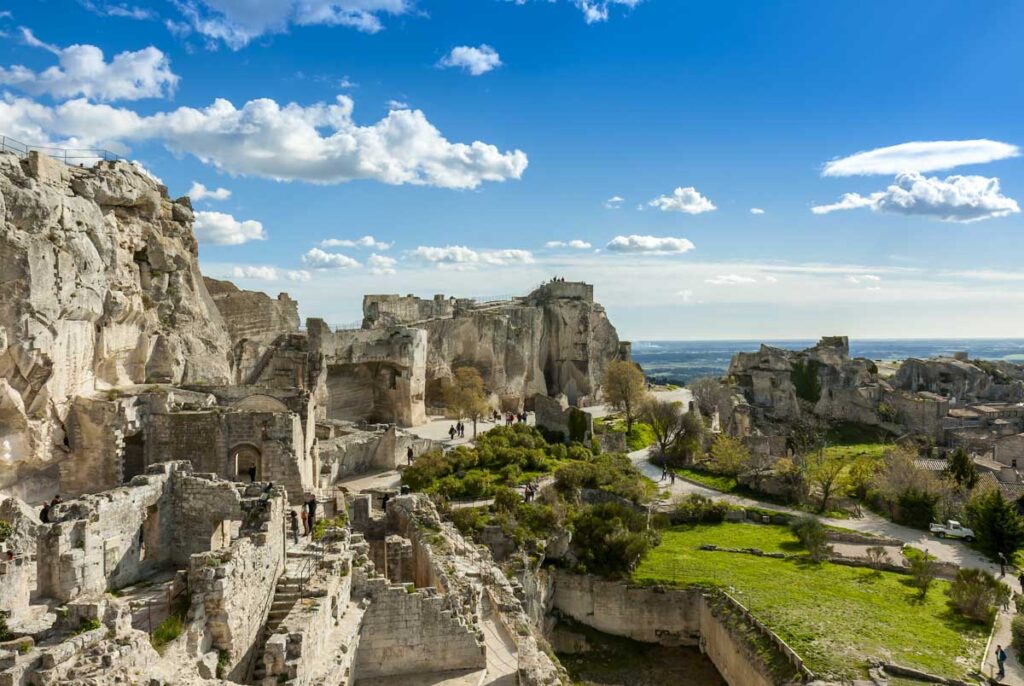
{"x": 409, "y": 455}
{"x": 294, "y": 519}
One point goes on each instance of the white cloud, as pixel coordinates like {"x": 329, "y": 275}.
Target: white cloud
{"x": 122, "y": 11}
{"x": 83, "y": 71}
{"x": 863, "y": 278}
{"x": 730, "y": 280}
{"x": 347, "y": 83}
{"x": 397, "y": 105}
{"x": 476, "y": 61}
{"x": 459, "y": 256}
{"x": 381, "y": 264}
{"x": 687, "y": 295}
{"x": 756, "y": 210}
{"x": 953, "y": 199}
{"x": 599, "y": 10}
{"x": 364, "y": 242}
{"x": 320, "y": 143}
{"x": 218, "y": 228}
{"x": 200, "y": 192}
{"x": 264, "y": 273}
{"x": 921, "y": 156}
{"x": 770, "y": 279}
{"x": 237, "y": 22}
{"x": 614, "y": 202}
{"x": 320, "y": 259}
{"x": 653, "y": 245}
{"x": 687, "y": 200}
{"x": 575, "y": 244}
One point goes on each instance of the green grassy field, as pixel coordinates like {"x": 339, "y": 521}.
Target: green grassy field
{"x": 874, "y": 451}
{"x": 834, "y": 617}
{"x": 719, "y": 482}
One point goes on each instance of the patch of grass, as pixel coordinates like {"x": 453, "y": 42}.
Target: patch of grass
{"x": 322, "y": 525}
{"x": 173, "y": 625}
{"x": 852, "y": 451}
{"x": 5, "y": 531}
{"x": 87, "y": 625}
{"x": 719, "y": 482}
{"x": 834, "y": 617}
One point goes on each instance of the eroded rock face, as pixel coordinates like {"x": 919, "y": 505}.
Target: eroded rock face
{"x": 555, "y": 340}
{"x": 962, "y": 381}
{"x": 99, "y": 288}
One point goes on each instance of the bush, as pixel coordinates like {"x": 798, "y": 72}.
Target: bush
{"x": 611, "y": 538}
{"x": 5, "y": 531}
{"x": 698, "y": 509}
{"x": 977, "y": 595}
{"x": 812, "y": 535}
{"x": 922, "y": 573}
{"x": 506, "y": 499}
{"x": 1017, "y": 632}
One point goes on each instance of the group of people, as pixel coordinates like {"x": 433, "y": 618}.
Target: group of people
{"x": 44, "y": 514}
{"x": 667, "y": 473}
{"x": 458, "y": 429}
{"x": 530, "y": 491}
{"x": 308, "y": 519}
{"x": 510, "y": 417}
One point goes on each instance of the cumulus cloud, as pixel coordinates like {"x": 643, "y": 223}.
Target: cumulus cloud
{"x": 462, "y": 257}
{"x": 599, "y": 10}
{"x": 475, "y": 61}
{"x": 381, "y": 264}
{"x": 219, "y": 228}
{"x": 614, "y": 202}
{"x": 238, "y": 23}
{"x": 730, "y": 280}
{"x": 756, "y": 210}
{"x": 397, "y": 105}
{"x": 200, "y": 192}
{"x": 575, "y": 244}
{"x": 687, "y": 200}
{"x": 319, "y": 143}
{"x": 954, "y": 199}
{"x": 321, "y": 259}
{"x": 264, "y": 273}
{"x": 364, "y": 242}
{"x": 920, "y": 156}
{"x": 653, "y": 245}
{"x": 83, "y": 70}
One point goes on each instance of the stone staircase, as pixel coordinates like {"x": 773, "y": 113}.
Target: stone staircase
{"x": 286, "y": 596}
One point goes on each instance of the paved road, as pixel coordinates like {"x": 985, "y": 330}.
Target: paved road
{"x": 943, "y": 549}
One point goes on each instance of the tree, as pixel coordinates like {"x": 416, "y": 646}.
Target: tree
{"x": 729, "y": 455}
{"x": 812, "y": 534}
{"x": 976, "y": 594}
{"x": 922, "y": 573}
{"x": 624, "y": 389}
{"x": 825, "y": 472}
{"x": 676, "y": 432}
{"x": 709, "y": 394}
{"x": 961, "y": 469}
{"x": 876, "y": 556}
{"x": 998, "y": 528}
{"x": 807, "y": 435}
{"x": 910, "y": 492}
{"x": 465, "y": 395}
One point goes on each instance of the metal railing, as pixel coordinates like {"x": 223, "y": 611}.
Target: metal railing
{"x": 70, "y": 156}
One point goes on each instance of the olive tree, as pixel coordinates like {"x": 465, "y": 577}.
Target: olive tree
{"x": 624, "y": 389}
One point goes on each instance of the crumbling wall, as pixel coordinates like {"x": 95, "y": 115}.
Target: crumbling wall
{"x": 555, "y": 415}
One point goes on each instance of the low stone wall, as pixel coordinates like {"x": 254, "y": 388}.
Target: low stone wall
{"x": 673, "y": 617}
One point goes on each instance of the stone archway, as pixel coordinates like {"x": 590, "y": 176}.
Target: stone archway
{"x": 243, "y": 457}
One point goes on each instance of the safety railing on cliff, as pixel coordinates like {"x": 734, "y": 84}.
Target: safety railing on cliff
{"x": 71, "y": 156}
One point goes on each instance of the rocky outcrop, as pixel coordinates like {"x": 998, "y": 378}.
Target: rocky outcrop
{"x": 99, "y": 289}
{"x": 960, "y": 380}
{"x": 254, "y": 321}
{"x": 555, "y": 340}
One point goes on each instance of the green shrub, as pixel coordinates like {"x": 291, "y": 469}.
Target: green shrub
{"x": 322, "y": 525}
{"x": 506, "y": 499}
{"x": 5, "y": 531}
{"x": 805, "y": 379}
{"x": 977, "y": 595}
{"x": 698, "y": 509}
{"x": 87, "y": 625}
{"x": 611, "y": 538}
{"x": 811, "y": 533}
{"x": 166, "y": 631}
{"x": 916, "y": 508}
{"x": 1017, "y": 632}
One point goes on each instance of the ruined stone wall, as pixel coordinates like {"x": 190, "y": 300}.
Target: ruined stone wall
{"x": 555, "y": 415}
{"x": 391, "y": 310}
{"x": 232, "y": 587}
{"x": 99, "y": 288}
{"x": 196, "y": 436}
{"x": 918, "y": 413}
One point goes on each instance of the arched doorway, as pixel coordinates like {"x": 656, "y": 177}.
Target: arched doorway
{"x": 244, "y": 458}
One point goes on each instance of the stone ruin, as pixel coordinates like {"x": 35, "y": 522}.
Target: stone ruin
{"x": 183, "y": 420}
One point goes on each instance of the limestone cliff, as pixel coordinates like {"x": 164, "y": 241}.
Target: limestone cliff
{"x": 555, "y": 340}
{"x": 99, "y": 288}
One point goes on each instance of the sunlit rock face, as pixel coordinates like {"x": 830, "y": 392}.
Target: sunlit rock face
{"x": 99, "y": 289}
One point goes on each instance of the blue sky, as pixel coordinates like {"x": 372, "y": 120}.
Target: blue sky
{"x": 472, "y": 134}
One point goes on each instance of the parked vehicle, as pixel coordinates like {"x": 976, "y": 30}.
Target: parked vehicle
{"x": 952, "y": 529}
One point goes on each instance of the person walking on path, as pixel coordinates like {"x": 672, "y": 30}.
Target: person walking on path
{"x": 672, "y": 477}
{"x": 294, "y": 519}
{"x": 664, "y": 472}
{"x": 1001, "y": 661}
{"x": 311, "y": 504}
{"x": 305, "y": 523}
{"x": 1002, "y": 565}
{"x": 452, "y": 432}
{"x": 252, "y": 474}
{"x": 408, "y": 455}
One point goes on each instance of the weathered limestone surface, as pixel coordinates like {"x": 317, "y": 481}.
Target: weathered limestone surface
{"x": 962, "y": 381}
{"x": 99, "y": 288}
{"x": 253, "y": 319}
{"x": 555, "y": 340}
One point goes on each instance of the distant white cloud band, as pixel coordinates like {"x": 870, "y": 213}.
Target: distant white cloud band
{"x": 756, "y": 210}
{"x": 263, "y": 273}
{"x": 200, "y": 192}
{"x": 653, "y": 245}
{"x": 238, "y": 23}
{"x": 320, "y": 143}
{"x": 476, "y": 61}
{"x": 363, "y": 242}
{"x": 730, "y": 280}
{"x": 687, "y": 200}
{"x": 83, "y": 70}
{"x": 922, "y": 156}
{"x": 219, "y": 228}
{"x": 321, "y": 259}
{"x": 575, "y": 244}
{"x": 460, "y": 256}
{"x": 954, "y": 199}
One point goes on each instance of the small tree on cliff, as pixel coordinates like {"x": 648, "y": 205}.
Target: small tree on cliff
{"x": 962, "y": 470}
{"x": 709, "y": 394}
{"x": 624, "y": 389}
{"x": 465, "y": 396}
